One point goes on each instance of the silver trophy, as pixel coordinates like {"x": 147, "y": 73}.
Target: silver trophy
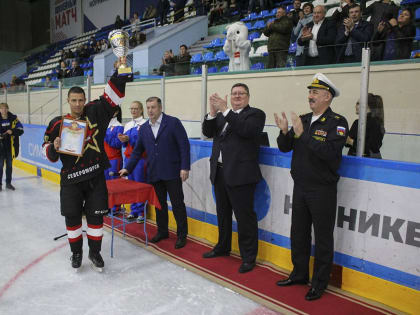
{"x": 119, "y": 43}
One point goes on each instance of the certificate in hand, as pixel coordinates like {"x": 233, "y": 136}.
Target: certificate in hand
{"x": 72, "y": 134}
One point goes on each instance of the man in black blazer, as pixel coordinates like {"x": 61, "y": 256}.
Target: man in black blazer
{"x": 75, "y": 70}
{"x": 352, "y": 35}
{"x": 318, "y": 38}
{"x": 234, "y": 170}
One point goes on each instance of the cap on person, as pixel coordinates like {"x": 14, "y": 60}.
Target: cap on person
{"x": 320, "y": 81}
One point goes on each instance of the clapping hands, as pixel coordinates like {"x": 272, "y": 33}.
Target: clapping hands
{"x": 283, "y": 123}
{"x": 217, "y": 104}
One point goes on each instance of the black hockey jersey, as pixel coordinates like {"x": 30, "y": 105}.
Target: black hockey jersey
{"x": 97, "y": 115}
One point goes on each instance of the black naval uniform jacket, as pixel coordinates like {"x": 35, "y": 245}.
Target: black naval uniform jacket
{"x": 317, "y": 152}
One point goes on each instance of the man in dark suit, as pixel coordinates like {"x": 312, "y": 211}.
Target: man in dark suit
{"x": 352, "y": 35}
{"x": 234, "y": 170}
{"x": 168, "y": 163}
{"x": 318, "y": 39}
{"x": 75, "y": 70}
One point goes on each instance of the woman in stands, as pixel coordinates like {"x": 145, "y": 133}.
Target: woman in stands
{"x": 297, "y": 31}
{"x": 63, "y": 72}
{"x": 396, "y": 36}
{"x": 374, "y": 128}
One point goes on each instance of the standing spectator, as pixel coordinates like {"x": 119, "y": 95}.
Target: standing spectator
{"x": 394, "y": 39}
{"x": 163, "y": 10}
{"x": 129, "y": 139}
{"x": 178, "y": 6}
{"x": 217, "y": 11}
{"x": 297, "y": 32}
{"x": 380, "y": 11}
{"x": 182, "y": 61}
{"x": 75, "y": 70}
{"x": 318, "y": 37}
{"x": 149, "y": 13}
{"x": 135, "y": 23}
{"x": 278, "y": 33}
{"x": 168, "y": 163}
{"x": 352, "y": 36}
{"x": 10, "y": 131}
{"x": 317, "y": 140}
{"x": 235, "y": 171}
{"x": 342, "y": 12}
{"x": 104, "y": 45}
{"x": 200, "y": 7}
{"x": 294, "y": 14}
{"x": 118, "y": 23}
{"x": 375, "y": 130}
{"x": 82, "y": 182}
{"x": 63, "y": 71}
{"x": 167, "y": 64}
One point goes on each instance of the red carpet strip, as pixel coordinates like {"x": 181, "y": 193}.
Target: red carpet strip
{"x": 259, "y": 284}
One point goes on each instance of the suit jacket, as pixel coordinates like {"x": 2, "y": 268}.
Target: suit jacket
{"x": 167, "y": 155}
{"x": 325, "y": 41}
{"x": 360, "y": 34}
{"x": 239, "y": 145}
{"x": 76, "y": 72}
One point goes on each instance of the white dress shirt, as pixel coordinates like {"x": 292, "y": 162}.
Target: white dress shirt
{"x": 135, "y": 123}
{"x": 313, "y": 49}
{"x": 209, "y": 117}
{"x": 155, "y": 127}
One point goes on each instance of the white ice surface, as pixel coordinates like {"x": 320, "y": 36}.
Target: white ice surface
{"x": 135, "y": 281}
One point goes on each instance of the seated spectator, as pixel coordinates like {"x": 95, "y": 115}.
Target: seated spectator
{"x": 85, "y": 52}
{"x": 217, "y": 11}
{"x": 352, "y": 36}
{"x": 63, "y": 71}
{"x": 118, "y": 23}
{"x": 68, "y": 54}
{"x": 163, "y": 10}
{"x": 104, "y": 45}
{"x": 278, "y": 33}
{"x": 394, "y": 39}
{"x": 167, "y": 64}
{"x": 305, "y": 18}
{"x": 342, "y": 12}
{"x": 318, "y": 39}
{"x": 182, "y": 61}
{"x": 48, "y": 83}
{"x": 75, "y": 70}
{"x": 294, "y": 13}
{"x": 98, "y": 48}
{"x": 92, "y": 41}
{"x": 374, "y": 128}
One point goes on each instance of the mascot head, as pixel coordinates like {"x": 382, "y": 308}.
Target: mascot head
{"x": 237, "y": 32}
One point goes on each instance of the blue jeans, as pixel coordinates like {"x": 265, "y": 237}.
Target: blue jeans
{"x": 6, "y": 157}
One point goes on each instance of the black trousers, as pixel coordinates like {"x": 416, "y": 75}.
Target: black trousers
{"x": 318, "y": 207}
{"x": 172, "y": 187}
{"x": 240, "y": 199}
{"x": 277, "y": 59}
{"x": 6, "y": 158}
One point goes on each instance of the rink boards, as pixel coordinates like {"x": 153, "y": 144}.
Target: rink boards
{"x": 377, "y": 234}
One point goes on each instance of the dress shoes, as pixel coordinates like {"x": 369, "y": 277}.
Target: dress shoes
{"x": 246, "y": 267}
{"x": 313, "y": 294}
{"x": 288, "y": 281}
{"x": 10, "y": 186}
{"x": 158, "y": 237}
{"x": 213, "y": 254}
{"x": 180, "y": 242}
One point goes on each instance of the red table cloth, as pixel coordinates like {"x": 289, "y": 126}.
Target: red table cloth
{"x": 124, "y": 191}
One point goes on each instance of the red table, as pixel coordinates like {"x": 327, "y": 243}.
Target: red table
{"x": 124, "y": 191}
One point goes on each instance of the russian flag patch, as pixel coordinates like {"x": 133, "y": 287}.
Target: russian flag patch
{"x": 341, "y": 131}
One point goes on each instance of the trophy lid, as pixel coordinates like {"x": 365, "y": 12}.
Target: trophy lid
{"x": 119, "y": 40}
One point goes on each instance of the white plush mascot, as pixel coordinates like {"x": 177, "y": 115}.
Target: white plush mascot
{"x": 237, "y": 46}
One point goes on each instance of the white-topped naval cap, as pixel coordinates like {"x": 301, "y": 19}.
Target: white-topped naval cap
{"x": 320, "y": 81}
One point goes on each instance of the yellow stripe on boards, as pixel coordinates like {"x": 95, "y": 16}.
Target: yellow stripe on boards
{"x": 25, "y": 167}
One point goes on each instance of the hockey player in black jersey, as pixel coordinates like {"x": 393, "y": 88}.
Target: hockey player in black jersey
{"x": 83, "y": 187}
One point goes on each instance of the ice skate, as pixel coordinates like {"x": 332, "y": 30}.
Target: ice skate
{"x": 97, "y": 261}
{"x": 76, "y": 260}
